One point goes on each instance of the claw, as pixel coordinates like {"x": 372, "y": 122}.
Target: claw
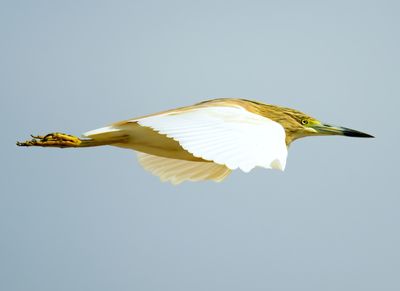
{"x": 37, "y": 136}
{"x": 60, "y": 140}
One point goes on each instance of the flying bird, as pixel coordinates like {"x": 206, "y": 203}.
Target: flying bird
{"x": 205, "y": 141}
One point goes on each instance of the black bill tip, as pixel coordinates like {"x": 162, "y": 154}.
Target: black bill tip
{"x": 355, "y": 133}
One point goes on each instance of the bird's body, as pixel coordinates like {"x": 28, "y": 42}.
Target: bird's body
{"x": 205, "y": 141}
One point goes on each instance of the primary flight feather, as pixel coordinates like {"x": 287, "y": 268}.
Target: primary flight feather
{"x": 205, "y": 141}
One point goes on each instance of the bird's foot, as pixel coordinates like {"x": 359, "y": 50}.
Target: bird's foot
{"x": 57, "y": 139}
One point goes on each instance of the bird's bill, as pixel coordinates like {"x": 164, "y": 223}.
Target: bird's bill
{"x": 326, "y": 129}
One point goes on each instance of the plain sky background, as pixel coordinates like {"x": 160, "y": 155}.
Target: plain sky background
{"x": 92, "y": 219}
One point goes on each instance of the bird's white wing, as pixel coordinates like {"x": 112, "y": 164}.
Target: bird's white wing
{"x": 177, "y": 171}
{"x": 230, "y": 136}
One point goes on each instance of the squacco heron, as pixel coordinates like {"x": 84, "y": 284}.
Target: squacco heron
{"x": 205, "y": 141}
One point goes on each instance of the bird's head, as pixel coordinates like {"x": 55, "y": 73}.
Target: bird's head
{"x": 298, "y": 124}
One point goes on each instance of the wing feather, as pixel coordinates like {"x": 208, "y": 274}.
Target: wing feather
{"x": 226, "y": 135}
{"x": 178, "y": 171}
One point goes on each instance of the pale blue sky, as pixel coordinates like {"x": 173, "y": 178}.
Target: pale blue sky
{"x": 92, "y": 219}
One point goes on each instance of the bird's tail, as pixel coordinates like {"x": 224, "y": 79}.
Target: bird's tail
{"x": 98, "y": 137}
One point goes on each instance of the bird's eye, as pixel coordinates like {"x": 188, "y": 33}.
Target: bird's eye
{"x": 304, "y": 121}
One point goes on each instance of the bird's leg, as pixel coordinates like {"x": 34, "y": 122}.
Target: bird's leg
{"x": 57, "y": 139}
